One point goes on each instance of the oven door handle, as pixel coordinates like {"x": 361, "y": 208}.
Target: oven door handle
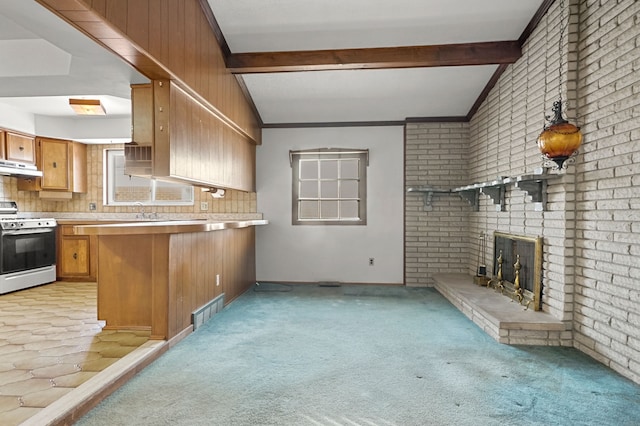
{"x": 26, "y": 231}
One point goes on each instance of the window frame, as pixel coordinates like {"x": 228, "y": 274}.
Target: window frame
{"x": 295, "y": 157}
{"x": 109, "y": 185}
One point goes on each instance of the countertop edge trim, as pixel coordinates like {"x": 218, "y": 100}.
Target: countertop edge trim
{"x": 165, "y": 227}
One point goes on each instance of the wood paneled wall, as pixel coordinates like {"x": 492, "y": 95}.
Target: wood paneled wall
{"x": 166, "y": 39}
{"x": 196, "y": 259}
{"x": 205, "y": 150}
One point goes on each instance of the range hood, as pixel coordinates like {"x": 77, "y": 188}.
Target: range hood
{"x": 13, "y": 168}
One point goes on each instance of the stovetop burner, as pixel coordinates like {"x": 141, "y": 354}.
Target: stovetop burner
{"x": 27, "y": 223}
{"x": 9, "y": 218}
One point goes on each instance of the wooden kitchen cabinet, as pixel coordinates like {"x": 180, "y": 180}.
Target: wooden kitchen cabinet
{"x": 63, "y": 164}
{"x": 142, "y": 114}
{"x": 76, "y": 255}
{"x": 2, "y": 143}
{"x": 139, "y": 153}
{"x": 181, "y": 139}
{"x": 20, "y": 148}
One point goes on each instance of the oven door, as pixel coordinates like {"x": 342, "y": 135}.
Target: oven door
{"x": 24, "y": 249}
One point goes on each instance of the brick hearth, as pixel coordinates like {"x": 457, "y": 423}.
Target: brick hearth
{"x": 504, "y": 320}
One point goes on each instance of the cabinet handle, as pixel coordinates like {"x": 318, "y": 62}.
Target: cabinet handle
{"x": 75, "y": 255}
{"x": 21, "y": 148}
{"x": 55, "y": 164}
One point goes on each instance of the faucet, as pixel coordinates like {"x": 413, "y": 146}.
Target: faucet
{"x": 141, "y": 214}
{"x": 144, "y": 215}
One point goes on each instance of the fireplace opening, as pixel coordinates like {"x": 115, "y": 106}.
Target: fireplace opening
{"x": 517, "y": 268}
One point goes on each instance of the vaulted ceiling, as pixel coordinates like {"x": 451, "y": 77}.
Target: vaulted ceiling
{"x": 301, "y": 62}
{"x": 370, "y": 60}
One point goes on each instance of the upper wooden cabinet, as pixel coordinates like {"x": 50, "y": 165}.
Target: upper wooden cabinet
{"x": 179, "y": 138}
{"x": 63, "y": 164}
{"x": 20, "y": 148}
{"x": 142, "y": 114}
{"x": 2, "y": 143}
{"x": 58, "y": 165}
{"x": 138, "y": 154}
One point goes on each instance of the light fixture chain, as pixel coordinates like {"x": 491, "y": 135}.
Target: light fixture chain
{"x": 560, "y": 47}
{"x": 560, "y": 140}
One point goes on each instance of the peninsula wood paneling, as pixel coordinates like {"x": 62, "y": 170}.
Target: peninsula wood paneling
{"x": 156, "y": 281}
{"x": 166, "y": 39}
{"x": 195, "y": 261}
{"x": 128, "y": 282}
{"x": 240, "y": 270}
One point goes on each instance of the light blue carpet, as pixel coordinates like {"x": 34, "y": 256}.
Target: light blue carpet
{"x": 363, "y": 355}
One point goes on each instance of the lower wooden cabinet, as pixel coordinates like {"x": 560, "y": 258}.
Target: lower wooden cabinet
{"x": 76, "y": 255}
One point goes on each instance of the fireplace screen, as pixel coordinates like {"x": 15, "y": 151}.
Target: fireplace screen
{"x": 517, "y": 268}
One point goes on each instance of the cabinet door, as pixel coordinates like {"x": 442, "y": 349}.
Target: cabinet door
{"x": 142, "y": 114}
{"x": 20, "y": 148}
{"x": 74, "y": 256}
{"x": 55, "y": 163}
{"x": 3, "y": 135}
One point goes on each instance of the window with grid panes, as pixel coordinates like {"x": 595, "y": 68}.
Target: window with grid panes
{"x": 124, "y": 190}
{"x": 329, "y": 187}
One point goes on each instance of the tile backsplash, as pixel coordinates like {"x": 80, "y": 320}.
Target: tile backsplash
{"x": 234, "y": 202}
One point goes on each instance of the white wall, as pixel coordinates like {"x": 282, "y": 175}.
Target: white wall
{"x": 331, "y": 253}
{"x": 96, "y": 130}
{"x": 13, "y": 119}
{"x": 86, "y": 129}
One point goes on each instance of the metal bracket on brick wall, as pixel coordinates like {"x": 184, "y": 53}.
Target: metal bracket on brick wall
{"x": 537, "y": 189}
{"x": 496, "y": 190}
{"x": 427, "y": 194}
{"x": 535, "y": 185}
{"x": 471, "y": 194}
{"x": 496, "y": 193}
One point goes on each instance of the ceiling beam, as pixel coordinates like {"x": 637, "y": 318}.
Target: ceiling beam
{"x": 446, "y": 55}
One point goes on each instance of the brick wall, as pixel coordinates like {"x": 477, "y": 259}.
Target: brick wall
{"x": 500, "y": 140}
{"x": 28, "y": 201}
{"x": 607, "y": 299}
{"x": 503, "y": 136}
{"x": 591, "y": 225}
{"x": 436, "y": 239}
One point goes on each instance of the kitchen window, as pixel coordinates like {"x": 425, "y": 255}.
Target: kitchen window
{"x": 329, "y": 186}
{"x": 125, "y": 190}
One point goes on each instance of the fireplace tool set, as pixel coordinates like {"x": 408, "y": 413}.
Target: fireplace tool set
{"x": 517, "y": 268}
{"x": 481, "y": 275}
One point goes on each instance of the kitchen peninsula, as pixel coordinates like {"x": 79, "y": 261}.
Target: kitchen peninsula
{"x": 155, "y": 275}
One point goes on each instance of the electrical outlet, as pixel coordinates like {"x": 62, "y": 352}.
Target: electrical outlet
{"x": 92, "y": 206}
{"x": 217, "y": 280}
{"x": 204, "y": 205}
{"x": 371, "y": 259}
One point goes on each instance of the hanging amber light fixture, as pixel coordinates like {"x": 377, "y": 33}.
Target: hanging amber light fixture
{"x": 560, "y": 140}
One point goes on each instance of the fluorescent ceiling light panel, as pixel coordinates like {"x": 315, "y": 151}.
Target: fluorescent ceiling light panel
{"x": 87, "y": 106}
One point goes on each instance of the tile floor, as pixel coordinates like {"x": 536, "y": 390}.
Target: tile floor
{"x": 51, "y": 343}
